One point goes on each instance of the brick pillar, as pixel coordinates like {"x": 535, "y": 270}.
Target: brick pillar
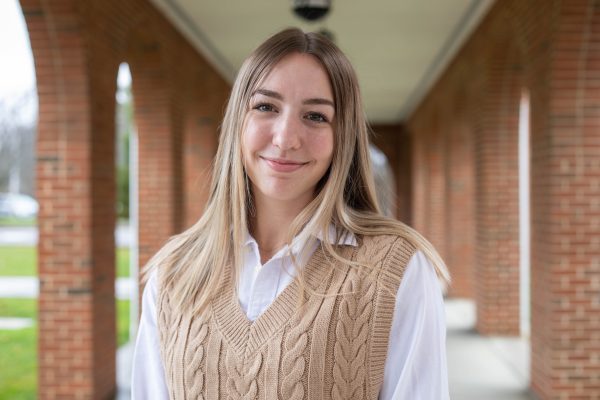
{"x": 203, "y": 116}
{"x": 199, "y": 146}
{"x": 429, "y": 179}
{"x": 497, "y": 197}
{"x": 566, "y": 213}
{"x": 394, "y": 142}
{"x": 460, "y": 231}
{"x": 437, "y": 190}
{"x": 419, "y": 179}
{"x": 159, "y": 143}
{"x": 76, "y": 190}
{"x": 77, "y": 47}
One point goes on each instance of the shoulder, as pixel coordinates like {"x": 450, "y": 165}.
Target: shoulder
{"x": 386, "y": 248}
{"x": 388, "y": 255}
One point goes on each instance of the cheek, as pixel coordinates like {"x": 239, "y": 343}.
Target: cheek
{"x": 253, "y": 139}
{"x": 322, "y": 146}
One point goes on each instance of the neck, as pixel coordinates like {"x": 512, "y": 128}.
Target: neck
{"x": 271, "y": 224}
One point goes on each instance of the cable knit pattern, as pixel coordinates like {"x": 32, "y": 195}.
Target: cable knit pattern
{"x": 194, "y": 360}
{"x": 294, "y": 362}
{"x": 331, "y": 346}
{"x": 351, "y": 340}
{"x": 241, "y": 379}
{"x": 168, "y": 336}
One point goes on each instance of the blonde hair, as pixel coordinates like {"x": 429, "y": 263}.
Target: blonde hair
{"x": 194, "y": 261}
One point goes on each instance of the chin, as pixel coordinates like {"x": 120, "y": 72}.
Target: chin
{"x": 287, "y": 194}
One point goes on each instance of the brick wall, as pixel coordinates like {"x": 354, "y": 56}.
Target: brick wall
{"x": 443, "y": 176}
{"x": 551, "y": 49}
{"x": 566, "y": 210}
{"x": 429, "y": 201}
{"x": 77, "y": 48}
{"x": 394, "y": 142}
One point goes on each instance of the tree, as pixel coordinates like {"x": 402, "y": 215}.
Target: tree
{"x": 18, "y": 131}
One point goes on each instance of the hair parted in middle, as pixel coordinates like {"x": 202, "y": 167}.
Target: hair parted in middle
{"x": 192, "y": 263}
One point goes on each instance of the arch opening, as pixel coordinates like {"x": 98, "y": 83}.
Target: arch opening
{"x": 126, "y": 234}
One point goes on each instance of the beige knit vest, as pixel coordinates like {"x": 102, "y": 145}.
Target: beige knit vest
{"x": 330, "y": 347}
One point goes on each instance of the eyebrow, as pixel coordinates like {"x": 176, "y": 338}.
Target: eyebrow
{"x": 278, "y": 96}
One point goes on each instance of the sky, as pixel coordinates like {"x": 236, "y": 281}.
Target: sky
{"x": 17, "y": 74}
{"x": 18, "y": 97}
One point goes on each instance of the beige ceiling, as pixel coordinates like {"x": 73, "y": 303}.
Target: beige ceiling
{"x": 398, "y": 47}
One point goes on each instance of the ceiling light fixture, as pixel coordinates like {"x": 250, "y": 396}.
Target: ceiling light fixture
{"x": 311, "y": 10}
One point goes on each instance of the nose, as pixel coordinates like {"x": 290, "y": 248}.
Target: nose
{"x": 286, "y": 132}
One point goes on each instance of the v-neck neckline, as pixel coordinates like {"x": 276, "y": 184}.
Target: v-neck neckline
{"x": 246, "y": 335}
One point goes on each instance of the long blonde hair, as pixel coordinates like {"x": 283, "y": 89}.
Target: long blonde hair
{"x": 193, "y": 262}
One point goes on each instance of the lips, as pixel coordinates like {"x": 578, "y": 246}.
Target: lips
{"x": 283, "y": 165}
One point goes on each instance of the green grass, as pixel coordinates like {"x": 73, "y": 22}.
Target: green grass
{"x": 18, "y": 261}
{"x": 13, "y": 221}
{"x": 22, "y": 261}
{"x": 122, "y": 322}
{"x": 122, "y": 262}
{"x": 18, "y": 357}
{"x": 21, "y": 308}
{"x": 18, "y": 363}
{"x": 18, "y": 348}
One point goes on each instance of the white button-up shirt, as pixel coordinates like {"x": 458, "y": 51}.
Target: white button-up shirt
{"x": 415, "y": 367}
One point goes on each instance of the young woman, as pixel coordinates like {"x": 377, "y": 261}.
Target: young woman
{"x": 293, "y": 285}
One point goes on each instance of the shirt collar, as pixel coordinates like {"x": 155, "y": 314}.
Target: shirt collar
{"x": 347, "y": 239}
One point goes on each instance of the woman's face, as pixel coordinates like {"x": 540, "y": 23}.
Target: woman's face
{"x": 287, "y": 143}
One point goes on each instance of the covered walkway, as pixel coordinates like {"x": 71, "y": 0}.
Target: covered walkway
{"x": 480, "y": 367}
{"x": 526, "y": 69}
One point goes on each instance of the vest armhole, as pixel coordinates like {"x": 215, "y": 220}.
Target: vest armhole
{"x": 390, "y": 277}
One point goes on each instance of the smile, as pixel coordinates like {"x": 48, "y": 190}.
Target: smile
{"x": 282, "y": 165}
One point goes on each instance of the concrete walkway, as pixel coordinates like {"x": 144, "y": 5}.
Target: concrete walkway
{"x": 28, "y": 235}
{"x": 28, "y": 287}
{"x": 483, "y": 368}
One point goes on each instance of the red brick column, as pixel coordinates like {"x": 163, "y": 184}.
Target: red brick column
{"x": 497, "y": 197}
{"x": 159, "y": 149}
{"x": 566, "y": 212}
{"x": 199, "y": 146}
{"x": 394, "y": 142}
{"x": 76, "y": 190}
{"x": 429, "y": 179}
{"x": 77, "y": 48}
{"x": 443, "y": 171}
{"x": 203, "y": 116}
{"x": 550, "y": 48}
{"x": 437, "y": 189}
{"x": 179, "y": 102}
{"x": 420, "y": 178}
{"x": 460, "y": 229}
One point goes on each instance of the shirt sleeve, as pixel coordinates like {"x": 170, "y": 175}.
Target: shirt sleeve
{"x": 416, "y": 366}
{"x": 148, "y": 376}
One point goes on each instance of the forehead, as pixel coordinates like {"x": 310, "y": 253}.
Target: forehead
{"x": 298, "y": 73}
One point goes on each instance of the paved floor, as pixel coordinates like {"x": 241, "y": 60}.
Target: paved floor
{"x": 28, "y": 287}
{"x": 28, "y": 236}
{"x": 483, "y": 368}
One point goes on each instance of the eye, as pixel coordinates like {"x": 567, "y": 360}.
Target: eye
{"x": 264, "y": 107}
{"x": 316, "y": 117}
